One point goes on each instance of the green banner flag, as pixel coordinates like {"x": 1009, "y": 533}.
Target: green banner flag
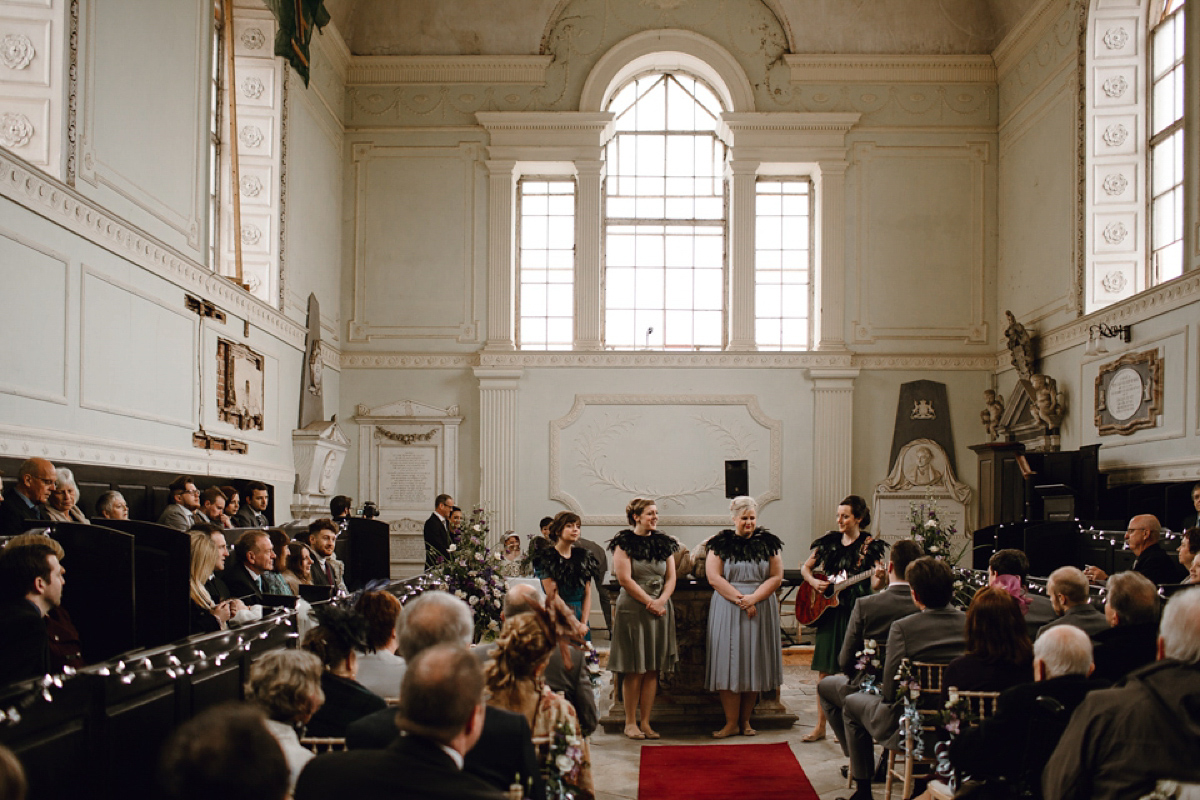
{"x": 297, "y": 19}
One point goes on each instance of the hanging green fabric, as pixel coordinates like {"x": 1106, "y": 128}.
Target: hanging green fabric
{"x": 297, "y": 19}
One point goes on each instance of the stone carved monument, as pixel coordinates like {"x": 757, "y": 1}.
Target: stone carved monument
{"x": 1035, "y": 409}
{"x": 921, "y": 472}
{"x": 319, "y": 446}
{"x": 407, "y": 455}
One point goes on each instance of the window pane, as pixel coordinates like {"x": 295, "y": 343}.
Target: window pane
{"x": 547, "y": 233}
{"x": 783, "y": 299}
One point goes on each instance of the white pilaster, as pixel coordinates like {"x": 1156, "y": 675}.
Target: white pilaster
{"x": 829, "y": 310}
{"x": 498, "y": 439}
{"x": 1191, "y": 139}
{"x": 742, "y": 174}
{"x": 833, "y": 417}
{"x": 502, "y": 199}
{"x": 588, "y": 231}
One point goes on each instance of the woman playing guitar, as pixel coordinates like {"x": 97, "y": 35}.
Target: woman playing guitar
{"x": 846, "y": 551}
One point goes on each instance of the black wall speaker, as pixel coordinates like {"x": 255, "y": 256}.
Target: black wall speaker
{"x": 737, "y": 478}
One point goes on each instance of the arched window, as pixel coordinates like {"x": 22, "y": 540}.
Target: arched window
{"x": 665, "y": 216}
{"x": 1166, "y": 143}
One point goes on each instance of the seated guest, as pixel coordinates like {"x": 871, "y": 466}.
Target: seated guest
{"x": 286, "y": 685}
{"x": 31, "y": 583}
{"x": 505, "y": 746}
{"x": 1008, "y": 569}
{"x": 275, "y": 580}
{"x": 870, "y": 620}
{"x": 66, "y": 650}
{"x": 570, "y": 680}
{"x": 251, "y": 511}
{"x": 1189, "y": 547}
{"x": 12, "y": 776}
{"x": 254, "y": 557}
{"x": 232, "y": 504}
{"x": 340, "y": 633}
{"x": 212, "y": 507}
{"x": 1010, "y": 749}
{"x": 1142, "y": 537}
{"x": 61, "y": 505}
{"x": 297, "y": 568}
{"x": 25, "y": 499}
{"x": 1121, "y": 742}
{"x": 1193, "y": 520}
{"x": 339, "y": 510}
{"x": 207, "y": 614}
{"x": 510, "y": 557}
{"x": 999, "y": 653}
{"x": 936, "y": 635}
{"x": 112, "y": 505}
{"x": 327, "y": 570}
{"x": 216, "y": 587}
{"x": 1068, "y": 591}
{"x": 1194, "y": 572}
{"x": 225, "y": 752}
{"x": 513, "y": 678}
{"x": 185, "y": 500}
{"x": 1132, "y": 613}
{"x": 379, "y": 668}
{"x": 441, "y": 713}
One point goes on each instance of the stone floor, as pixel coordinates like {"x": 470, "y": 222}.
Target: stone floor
{"x": 615, "y": 759}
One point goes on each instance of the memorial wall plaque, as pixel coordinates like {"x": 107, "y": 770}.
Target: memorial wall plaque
{"x": 407, "y": 477}
{"x": 1129, "y": 393}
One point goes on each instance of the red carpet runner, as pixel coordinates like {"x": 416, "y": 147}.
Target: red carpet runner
{"x": 721, "y": 772}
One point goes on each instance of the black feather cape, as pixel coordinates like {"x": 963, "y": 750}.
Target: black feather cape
{"x": 655, "y": 547}
{"x": 758, "y": 546}
{"x": 577, "y": 570}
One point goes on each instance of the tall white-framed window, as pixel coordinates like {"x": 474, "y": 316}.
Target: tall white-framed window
{"x": 1166, "y": 143}
{"x": 665, "y": 216}
{"x": 546, "y": 263}
{"x": 783, "y": 263}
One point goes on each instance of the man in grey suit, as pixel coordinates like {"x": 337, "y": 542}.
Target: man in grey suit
{"x": 871, "y": 620}
{"x": 573, "y": 682}
{"x": 185, "y": 500}
{"x": 326, "y": 570}
{"x": 937, "y": 634}
{"x": 1068, "y": 590}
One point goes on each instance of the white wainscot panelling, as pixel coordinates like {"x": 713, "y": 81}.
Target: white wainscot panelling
{"x": 414, "y": 242}
{"x": 137, "y": 354}
{"x": 610, "y": 448}
{"x": 144, "y": 132}
{"x": 922, "y": 242}
{"x": 33, "y": 320}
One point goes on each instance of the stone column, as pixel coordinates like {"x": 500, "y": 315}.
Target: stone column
{"x": 589, "y": 215}
{"x": 498, "y": 437}
{"x": 833, "y": 429}
{"x": 502, "y": 199}
{"x": 1191, "y": 139}
{"x": 741, "y": 174}
{"x": 830, "y": 280}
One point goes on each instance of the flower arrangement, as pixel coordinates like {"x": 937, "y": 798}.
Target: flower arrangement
{"x": 591, "y": 662}
{"x": 936, "y": 537}
{"x": 868, "y": 664}
{"x": 563, "y": 766}
{"x": 471, "y": 573}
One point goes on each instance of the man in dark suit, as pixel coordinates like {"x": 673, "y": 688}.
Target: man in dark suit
{"x": 326, "y": 569}
{"x": 252, "y": 512}
{"x": 253, "y": 556}
{"x": 936, "y": 634}
{"x": 1132, "y": 640}
{"x": 1014, "y": 744}
{"x": 441, "y": 716}
{"x": 437, "y": 530}
{"x": 31, "y": 584}
{"x": 1068, "y": 591}
{"x": 26, "y": 499}
{"x": 571, "y": 682}
{"x": 505, "y": 746}
{"x": 871, "y": 620}
{"x": 1193, "y": 520}
{"x": 1152, "y": 561}
{"x": 212, "y": 507}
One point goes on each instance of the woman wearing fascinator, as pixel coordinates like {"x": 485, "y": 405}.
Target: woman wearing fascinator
{"x": 745, "y": 655}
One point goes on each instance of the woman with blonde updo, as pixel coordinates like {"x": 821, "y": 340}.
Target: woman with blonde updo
{"x": 745, "y": 656}
{"x": 643, "y": 638}
{"x": 514, "y": 682}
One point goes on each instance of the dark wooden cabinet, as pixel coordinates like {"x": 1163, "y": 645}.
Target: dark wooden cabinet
{"x": 1016, "y": 486}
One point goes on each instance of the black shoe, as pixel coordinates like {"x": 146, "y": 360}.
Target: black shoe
{"x": 845, "y": 770}
{"x": 881, "y": 769}
{"x": 863, "y": 792}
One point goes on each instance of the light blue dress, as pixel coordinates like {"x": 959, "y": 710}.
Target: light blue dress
{"x": 744, "y": 655}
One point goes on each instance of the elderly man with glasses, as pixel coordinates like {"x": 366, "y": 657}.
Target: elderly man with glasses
{"x": 26, "y": 499}
{"x": 1152, "y": 561}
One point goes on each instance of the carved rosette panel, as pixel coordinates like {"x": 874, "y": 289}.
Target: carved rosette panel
{"x": 16, "y": 51}
{"x": 15, "y": 130}
{"x": 598, "y": 461}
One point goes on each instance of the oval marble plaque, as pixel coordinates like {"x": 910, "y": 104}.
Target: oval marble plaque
{"x": 1123, "y": 396}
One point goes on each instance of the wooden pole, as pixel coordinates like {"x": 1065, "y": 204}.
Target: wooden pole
{"x": 236, "y": 188}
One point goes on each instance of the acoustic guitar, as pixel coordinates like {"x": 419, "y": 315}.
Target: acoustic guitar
{"x": 811, "y": 604}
